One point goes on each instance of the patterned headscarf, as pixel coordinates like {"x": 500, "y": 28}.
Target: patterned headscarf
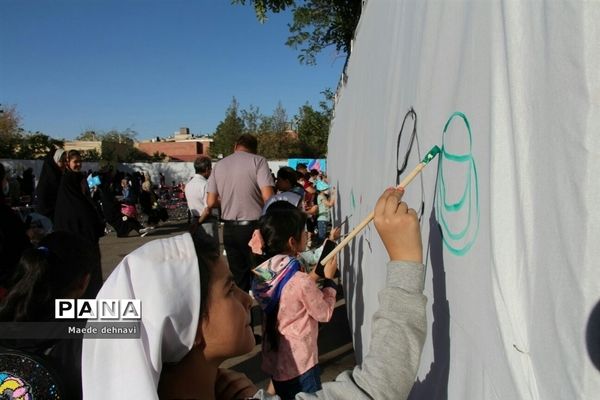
{"x": 270, "y": 279}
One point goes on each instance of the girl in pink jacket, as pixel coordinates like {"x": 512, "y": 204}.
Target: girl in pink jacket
{"x": 292, "y": 303}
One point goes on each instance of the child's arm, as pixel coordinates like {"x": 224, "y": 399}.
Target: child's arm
{"x": 331, "y": 201}
{"x": 233, "y": 385}
{"x": 320, "y": 303}
{"x": 399, "y": 326}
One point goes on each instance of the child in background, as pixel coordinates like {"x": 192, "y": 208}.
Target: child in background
{"x": 150, "y": 206}
{"x": 292, "y": 303}
{"x": 324, "y": 201}
{"x": 287, "y": 181}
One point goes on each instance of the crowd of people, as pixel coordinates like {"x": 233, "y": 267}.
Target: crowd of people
{"x": 197, "y": 301}
{"x": 68, "y": 199}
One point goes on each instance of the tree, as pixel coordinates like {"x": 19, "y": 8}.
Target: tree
{"x": 227, "y": 131}
{"x": 276, "y": 145}
{"x": 126, "y": 137}
{"x": 35, "y": 145}
{"x": 89, "y": 136}
{"x": 10, "y": 131}
{"x": 10, "y": 121}
{"x": 313, "y": 127}
{"x": 158, "y": 157}
{"x": 90, "y": 155}
{"x": 274, "y": 141}
{"x": 133, "y": 154}
{"x": 317, "y": 24}
{"x": 117, "y": 146}
{"x": 252, "y": 119}
{"x": 279, "y": 121}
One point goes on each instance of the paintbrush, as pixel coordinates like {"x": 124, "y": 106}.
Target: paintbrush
{"x": 435, "y": 150}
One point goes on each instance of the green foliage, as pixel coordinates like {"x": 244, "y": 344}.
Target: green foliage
{"x": 10, "y": 131}
{"x": 317, "y": 24}
{"x": 35, "y": 145}
{"x": 277, "y": 145}
{"x": 134, "y": 154}
{"x": 124, "y": 137}
{"x": 276, "y": 139}
{"x": 109, "y": 152}
{"x": 313, "y": 127}
{"x": 252, "y": 119}
{"x": 116, "y": 146}
{"x": 158, "y": 157}
{"x": 261, "y": 7}
{"x": 18, "y": 144}
{"x": 9, "y": 145}
{"x": 90, "y": 155}
{"x": 313, "y": 132}
{"x": 10, "y": 121}
{"x": 279, "y": 121}
{"x": 227, "y": 131}
{"x": 89, "y": 136}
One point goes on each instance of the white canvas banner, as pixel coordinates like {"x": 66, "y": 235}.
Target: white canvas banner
{"x": 510, "y": 90}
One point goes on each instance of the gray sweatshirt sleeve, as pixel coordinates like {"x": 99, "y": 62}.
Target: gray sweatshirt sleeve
{"x": 397, "y": 337}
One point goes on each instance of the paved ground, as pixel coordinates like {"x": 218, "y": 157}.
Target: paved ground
{"x": 335, "y": 345}
{"x": 114, "y": 248}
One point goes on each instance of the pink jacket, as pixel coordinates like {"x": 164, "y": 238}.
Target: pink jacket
{"x": 302, "y": 306}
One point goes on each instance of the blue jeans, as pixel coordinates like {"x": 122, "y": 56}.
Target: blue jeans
{"x": 308, "y": 382}
{"x": 322, "y": 229}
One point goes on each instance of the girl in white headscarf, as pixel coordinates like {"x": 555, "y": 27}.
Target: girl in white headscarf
{"x": 193, "y": 318}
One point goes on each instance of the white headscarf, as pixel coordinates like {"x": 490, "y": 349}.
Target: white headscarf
{"x": 164, "y": 275}
{"x": 58, "y": 154}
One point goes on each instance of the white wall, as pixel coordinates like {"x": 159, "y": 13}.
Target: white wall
{"x": 173, "y": 171}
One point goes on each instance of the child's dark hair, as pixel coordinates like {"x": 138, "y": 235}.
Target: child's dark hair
{"x": 72, "y": 154}
{"x": 289, "y": 174}
{"x": 281, "y": 222}
{"x": 208, "y": 254}
{"x": 51, "y": 271}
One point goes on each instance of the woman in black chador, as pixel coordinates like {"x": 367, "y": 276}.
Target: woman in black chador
{"x": 76, "y": 213}
{"x": 47, "y": 188}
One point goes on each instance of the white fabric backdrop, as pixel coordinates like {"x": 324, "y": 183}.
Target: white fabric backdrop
{"x": 507, "y": 318}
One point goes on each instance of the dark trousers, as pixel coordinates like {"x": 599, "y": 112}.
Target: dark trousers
{"x": 239, "y": 255}
{"x": 124, "y": 227}
{"x": 308, "y": 382}
{"x": 96, "y": 274}
{"x": 157, "y": 214}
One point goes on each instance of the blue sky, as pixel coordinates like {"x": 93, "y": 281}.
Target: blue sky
{"x": 148, "y": 65}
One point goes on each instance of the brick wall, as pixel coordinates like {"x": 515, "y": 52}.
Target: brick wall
{"x": 174, "y": 149}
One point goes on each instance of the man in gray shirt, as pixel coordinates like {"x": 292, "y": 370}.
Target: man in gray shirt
{"x": 242, "y": 182}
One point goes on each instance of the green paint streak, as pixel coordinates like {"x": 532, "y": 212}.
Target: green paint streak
{"x": 444, "y": 209}
{"x": 352, "y": 199}
{"x": 431, "y": 155}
